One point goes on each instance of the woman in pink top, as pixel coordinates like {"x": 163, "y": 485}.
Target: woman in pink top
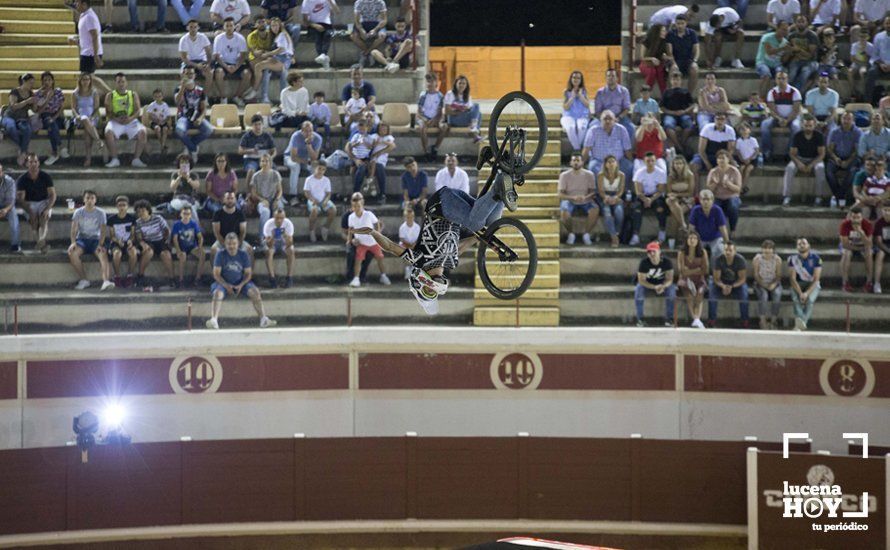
{"x": 725, "y": 181}
{"x": 220, "y": 180}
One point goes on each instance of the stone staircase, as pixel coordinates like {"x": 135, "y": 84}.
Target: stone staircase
{"x": 35, "y": 39}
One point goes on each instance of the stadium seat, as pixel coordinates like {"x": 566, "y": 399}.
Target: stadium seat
{"x": 225, "y": 120}
{"x": 397, "y": 116}
{"x": 336, "y": 121}
{"x": 251, "y": 109}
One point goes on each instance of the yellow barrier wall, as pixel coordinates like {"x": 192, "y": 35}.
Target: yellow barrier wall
{"x": 494, "y": 71}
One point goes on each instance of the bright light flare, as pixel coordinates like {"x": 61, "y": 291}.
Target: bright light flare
{"x": 113, "y": 415}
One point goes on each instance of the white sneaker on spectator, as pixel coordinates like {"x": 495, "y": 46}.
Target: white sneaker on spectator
{"x": 106, "y": 285}
{"x": 51, "y": 160}
{"x": 64, "y": 153}
{"x": 833, "y": 202}
{"x": 586, "y": 238}
{"x": 634, "y": 241}
{"x": 697, "y": 324}
{"x": 392, "y": 67}
{"x": 877, "y": 288}
{"x": 212, "y": 323}
{"x": 737, "y": 63}
{"x": 799, "y": 324}
{"x": 224, "y": 101}
{"x": 113, "y": 163}
{"x": 265, "y": 322}
{"x": 320, "y": 58}
{"x": 817, "y": 202}
{"x": 251, "y": 93}
{"x": 842, "y": 203}
{"x": 570, "y": 239}
{"x": 384, "y": 279}
{"x": 786, "y": 201}
{"x": 718, "y": 61}
{"x": 194, "y": 156}
{"x": 239, "y": 102}
{"x": 137, "y": 163}
{"x": 324, "y": 234}
{"x": 355, "y": 282}
{"x": 326, "y": 62}
{"x": 82, "y": 284}
{"x": 312, "y": 236}
{"x": 661, "y": 236}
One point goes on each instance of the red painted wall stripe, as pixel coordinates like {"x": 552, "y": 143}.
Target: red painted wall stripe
{"x": 752, "y": 375}
{"x": 9, "y": 380}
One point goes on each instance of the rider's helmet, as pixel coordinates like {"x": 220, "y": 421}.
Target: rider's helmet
{"x": 427, "y": 289}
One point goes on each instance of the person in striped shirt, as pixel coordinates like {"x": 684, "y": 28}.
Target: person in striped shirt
{"x": 152, "y": 238}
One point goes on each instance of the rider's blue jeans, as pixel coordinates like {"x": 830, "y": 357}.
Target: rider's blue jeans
{"x": 473, "y": 214}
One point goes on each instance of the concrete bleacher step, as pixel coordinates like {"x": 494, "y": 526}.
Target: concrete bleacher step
{"x": 548, "y": 212}
{"x": 41, "y": 51}
{"x": 39, "y": 64}
{"x": 21, "y": 39}
{"x": 44, "y": 4}
{"x": 37, "y": 14}
{"x": 34, "y": 25}
{"x": 510, "y": 316}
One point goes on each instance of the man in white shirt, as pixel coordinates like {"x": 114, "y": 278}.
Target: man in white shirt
{"x": 825, "y": 12}
{"x": 89, "y": 41}
{"x": 317, "y": 22}
{"x": 363, "y": 242}
{"x": 195, "y": 50}
{"x": 725, "y": 22}
{"x": 230, "y": 61}
{"x": 452, "y": 176}
{"x": 238, "y": 10}
{"x": 317, "y": 190}
{"x": 650, "y": 185}
{"x": 868, "y": 15}
{"x": 278, "y": 233}
{"x": 781, "y": 10}
{"x": 667, "y": 15}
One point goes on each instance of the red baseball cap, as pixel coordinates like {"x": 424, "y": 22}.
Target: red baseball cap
{"x": 653, "y": 246}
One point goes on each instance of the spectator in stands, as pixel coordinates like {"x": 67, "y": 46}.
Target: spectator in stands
{"x": 364, "y": 244}
{"x": 259, "y": 48}
{"x": 37, "y": 195}
{"x": 124, "y": 107}
{"x": 856, "y": 240}
{"x": 288, "y": 13}
{"x": 400, "y": 47}
{"x": 231, "y": 219}
{"x": 713, "y": 137}
{"x": 575, "y": 111}
{"x": 409, "y": 233}
{"x": 157, "y": 114}
{"x": 196, "y": 51}
{"x": 221, "y": 179}
{"x": 867, "y": 171}
{"x": 825, "y": 13}
{"x": 254, "y": 144}
{"x": 265, "y": 190}
{"x": 741, "y": 6}
{"x": 708, "y": 220}
{"x": 294, "y": 102}
{"x": 278, "y": 233}
{"x": 804, "y": 270}
{"x": 773, "y": 45}
{"x": 821, "y": 102}
{"x": 712, "y": 99}
{"x": 302, "y": 150}
{"x": 881, "y": 241}
{"x": 649, "y": 189}
{"x": 7, "y": 210}
{"x": 460, "y": 110}
{"x": 608, "y": 138}
{"x": 693, "y": 265}
{"x": 827, "y": 55}
{"x": 236, "y": 10}
{"x": 89, "y": 41}
{"x": 191, "y": 113}
{"x": 783, "y": 102}
{"x": 725, "y": 181}
{"x": 317, "y": 189}
{"x": 656, "y": 54}
{"x": 615, "y": 98}
{"x": 232, "y": 274}
{"x": 724, "y": 22}
{"x": 684, "y": 50}
{"x": 88, "y": 232}
{"x": 667, "y": 16}
{"x": 184, "y": 185}
{"x": 350, "y": 247}
{"x": 355, "y": 109}
{"x": 802, "y": 60}
{"x": 188, "y": 240}
{"x": 650, "y": 138}
{"x": 611, "y": 189}
{"x": 48, "y": 106}
{"x": 655, "y": 273}
{"x": 577, "y": 193}
{"x": 278, "y": 60}
{"x": 414, "y": 186}
{"x": 367, "y": 91}
{"x": 152, "y": 236}
{"x": 874, "y": 189}
{"x": 730, "y": 279}
{"x": 875, "y": 142}
{"x": 317, "y": 21}
{"x": 754, "y": 110}
{"x": 85, "y": 103}
{"x": 120, "y": 241}
{"x": 320, "y": 117}
{"x": 135, "y": 24}
{"x": 186, "y": 16}
{"x": 807, "y": 157}
{"x": 429, "y": 115}
{"x": 861, "y": 53}
{"x": 369, "y": 24}
{"x": 16, "y": 123}
{"x": 884, "y": 108}
{"x": 868, "y": 16}
{"x": 359, "y": 150}
{"x": 779, "y": 11}
{"x": 767, "y": 267}
{"x": 678, "y": 108}
{"x": 384, "y": 144}
{"x": 841, "y": 152}
{"x": 747, "y": 153}
{"x": 452, "y": 176}
{"x": 230, "y": 62}
{"x": 680, "y": 189}
{"x": 644, "y": 105}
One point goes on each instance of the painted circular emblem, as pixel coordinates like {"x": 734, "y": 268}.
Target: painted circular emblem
{"x": 847, "y": 377}
{"x": 195, "y": 374}
{"x": 516, "y": 371}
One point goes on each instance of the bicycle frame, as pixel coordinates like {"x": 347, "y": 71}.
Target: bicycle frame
{"x": 514, "y": 137}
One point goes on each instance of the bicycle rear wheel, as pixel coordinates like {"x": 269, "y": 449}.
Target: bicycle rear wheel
{"x": 519, "y": 115}
{"x": 507, "y": 258}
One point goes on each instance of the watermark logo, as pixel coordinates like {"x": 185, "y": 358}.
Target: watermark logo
{"x": 195, "y": 374}
{"x": 516, "y": 371}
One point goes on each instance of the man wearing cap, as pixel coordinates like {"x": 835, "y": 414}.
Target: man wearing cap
{"x": 655, "y": 273}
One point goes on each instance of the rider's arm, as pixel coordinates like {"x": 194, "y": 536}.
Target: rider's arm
{"x": 387, "y": 244}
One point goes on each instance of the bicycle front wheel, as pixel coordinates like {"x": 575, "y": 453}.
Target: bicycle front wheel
{"x": 519, "y": 116}
{"x": 507, "y": 258}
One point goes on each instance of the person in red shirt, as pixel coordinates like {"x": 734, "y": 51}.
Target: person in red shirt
{"x": 856, "y": 238}
{"x": 650, "y": 137}
{"x": 882, "y": 243}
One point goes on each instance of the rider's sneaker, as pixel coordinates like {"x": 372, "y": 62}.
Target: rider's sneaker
{"x": 506, "y": 192}
{"x": 485, "y": 155}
